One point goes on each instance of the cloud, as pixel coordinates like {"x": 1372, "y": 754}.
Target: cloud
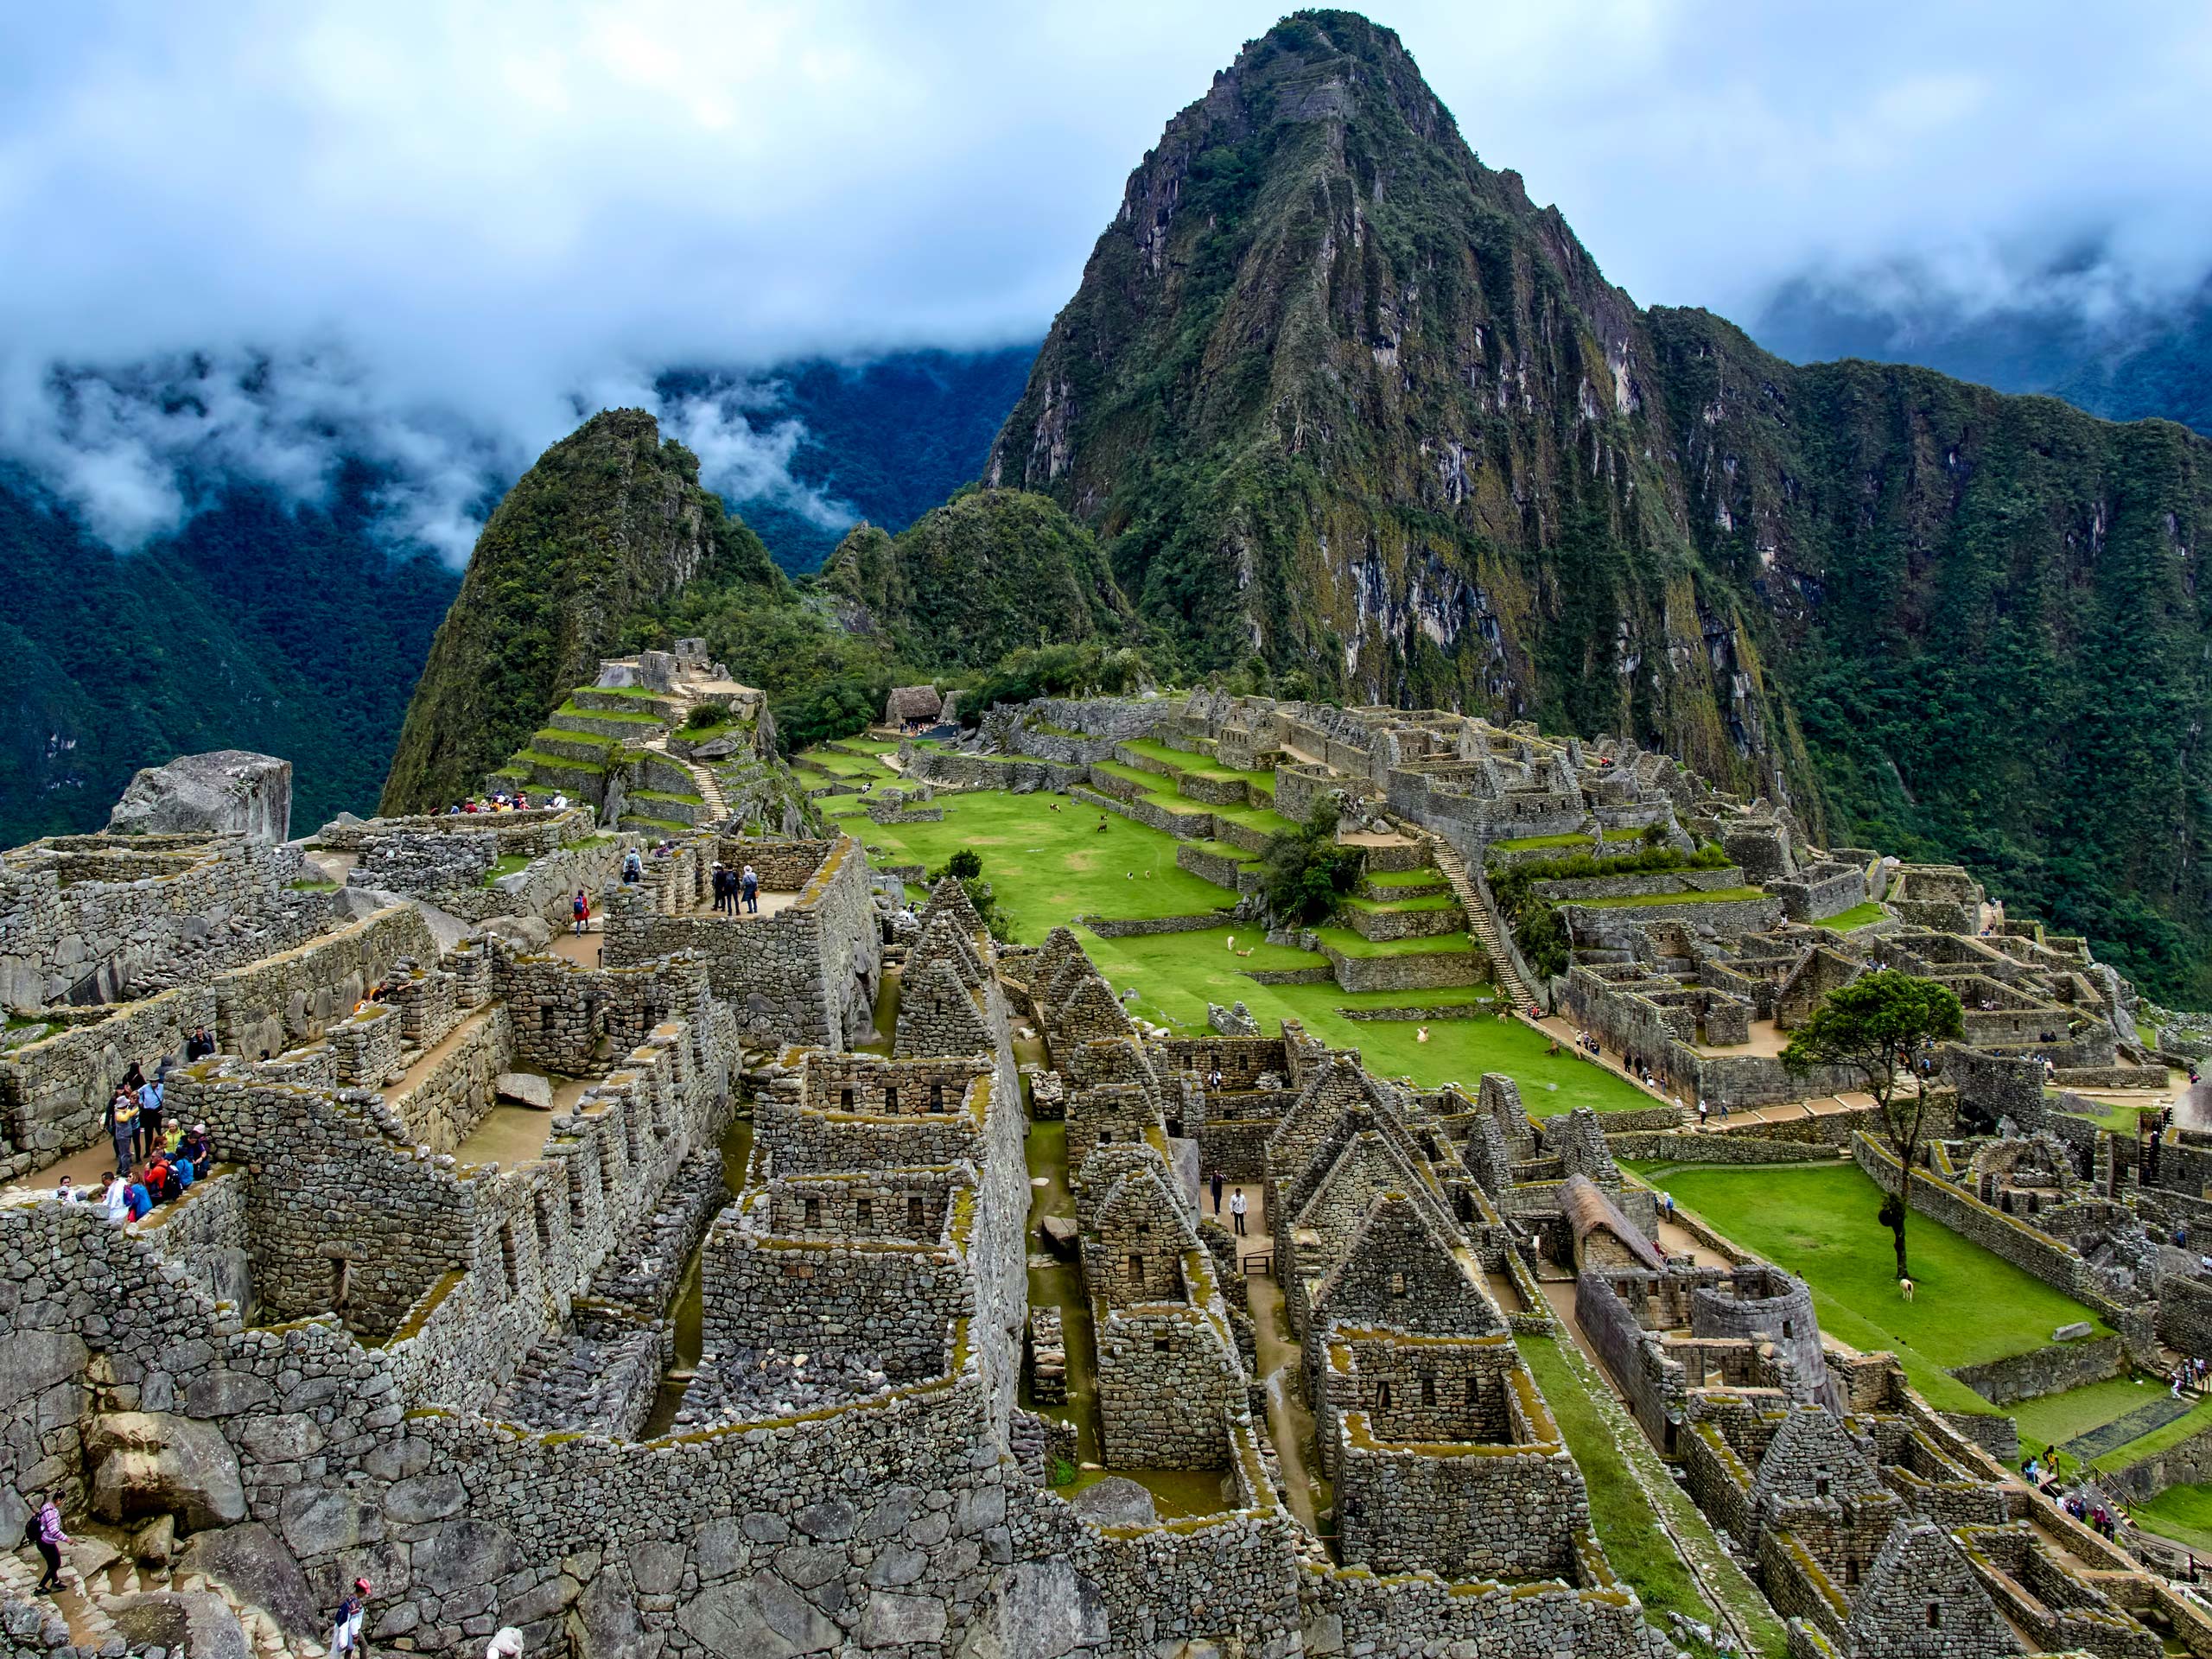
{"x": 448, "y": 223}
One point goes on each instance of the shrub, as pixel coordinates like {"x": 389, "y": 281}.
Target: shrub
{"x": 1304, "y": 872}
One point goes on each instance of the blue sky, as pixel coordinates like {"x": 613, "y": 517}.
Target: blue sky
{"x": 438, "y": 228}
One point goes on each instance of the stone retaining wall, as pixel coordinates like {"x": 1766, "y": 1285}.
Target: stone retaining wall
{"x": 2049, "y": 1370}
{"x": 1422, "y": 971}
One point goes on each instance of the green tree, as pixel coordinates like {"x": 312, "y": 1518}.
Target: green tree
{"x": 1873, "y": 1027}
{"x": 1304, "y": 871}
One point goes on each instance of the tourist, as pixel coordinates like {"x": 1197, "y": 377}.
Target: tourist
{"x": 123, "y": 1125}
{"x": 719, "y": 879}
{"x": 200, "y": 1044}
{"x": 748, "y": 883}
{"x": 582, "y": 911}
{"x": 1236, "y": 1211}
{"x": 115, "y": 1202}
{"x": 1216, "y": 1182}
{"x": 1703, "y": 1111}
{"x": 199, "y": 1150}
{"x": 45, "y": 1531}
{"x": 560, "y": 802}
{"x": 507, "y": 1644}
{"x": 345, "y": 1624}
{"x": 139, "y": 1201}
{"x": 65, "y": 1191}
{"x": 633, "y": 867}
{"x": 149, "y": 1118}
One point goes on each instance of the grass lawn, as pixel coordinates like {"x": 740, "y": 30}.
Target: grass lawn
{"x": 505, "y": 864}
{"x": 847, "y": 765}
{"x": 1536, "y": 843}
{"x": 1858, "y": 916}
{"x": 2122, "y": 1120}
{"x": 1049, "y": 867}
{"x": 1626, "y": 1525}
{"x": 2056, "y": 1418}
{"x": 2181, "y": 1513}
{"x": 1818, "y": 1221}
{"x": 1343, "y": 940}
{"x": 1717, "y": 895}
{"x": 1429, "y": 876}
{"x": 1426, "y": 901}
{"x": 1046, "y": 866}
{"x": 2196, "y": 1421}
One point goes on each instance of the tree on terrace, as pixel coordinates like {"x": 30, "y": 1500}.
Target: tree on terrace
{"x": 1876, "y": 1026}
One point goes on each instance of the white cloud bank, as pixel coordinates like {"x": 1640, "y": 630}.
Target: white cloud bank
{"x": 431, "y": 231}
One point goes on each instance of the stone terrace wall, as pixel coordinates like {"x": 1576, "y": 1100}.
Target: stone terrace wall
{"x": 561, "y": 1010}
{"x": 446, "y": 1104}
{"x": 527, "y": 834}
{"x": 290, "y": 997}
{"x": 806, "y": 974}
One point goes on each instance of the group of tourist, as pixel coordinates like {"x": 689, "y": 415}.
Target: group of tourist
{"x": 517, "y": 802}
{"x": 181, "y": 1157}
{"x": 736, "y": 890}
{"x": 2044, "y": 1474}
{"x": 2191, "y": 1375}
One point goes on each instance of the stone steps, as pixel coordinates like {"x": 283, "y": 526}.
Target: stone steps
{"x": 1482, "y": 924}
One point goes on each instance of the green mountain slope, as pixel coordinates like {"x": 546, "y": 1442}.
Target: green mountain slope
{"x": 610, "y": 522}
{"x": 1334, "y": 391}
{"x": 967, "y": 582}
{"x": 256, "y": 627}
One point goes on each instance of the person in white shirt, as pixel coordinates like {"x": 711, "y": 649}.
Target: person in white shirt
{"x": 1236, "y": 1211}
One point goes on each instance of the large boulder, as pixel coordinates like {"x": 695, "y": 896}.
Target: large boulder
{"x": 228, "y": 791}
{"x": 148, "y": 1463}
{"x": 253, "y": 1561}
{"x": 1115, "y": 1501}
{"x": 761, "y": 1618}
{"x": 523, "y": 1089}
{"x": 198, "y": 1624}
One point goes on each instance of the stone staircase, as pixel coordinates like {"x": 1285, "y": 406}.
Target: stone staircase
{"x": 1483, "y": 923}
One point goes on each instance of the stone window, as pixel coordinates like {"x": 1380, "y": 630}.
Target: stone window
{"x": 1105, "y": 1137}
{"x": 1136, "y": 1268}
{"x": 845, "y": 1097}
{"x": 1162, "y": 1344}
{"x": 914, "y": 1213}
{"x": 1144, "y": 1228}
{"x": 813, "y": 1213}
{"x": 936, "y": 1096}
{"x": 1382, "y": 1396}
{"x": 1473, "y": 1388}
{"x": 507, "y": 1259}
{"x": 891, "y": 1097}
{"x": 1820, "y": 1486}
{"x": 863, "y": 1212}
{"x": 1935, "y": 1615}
{"x": 1427, "y": 1389}
{"x": 1397, "y": 1284}
{"x": 1786, "y": 1331}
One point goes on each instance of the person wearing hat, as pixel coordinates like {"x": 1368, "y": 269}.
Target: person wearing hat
{"x": 507, "y": 1645}
{"x": 345, "y": 1626}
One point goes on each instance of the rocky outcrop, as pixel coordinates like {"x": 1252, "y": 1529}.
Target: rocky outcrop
{"x": 224, "y": 792}
{"x": 148, "y": 1463}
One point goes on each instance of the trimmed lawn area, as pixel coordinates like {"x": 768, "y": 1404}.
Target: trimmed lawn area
{"x": 1818, "y": 1221}
{"x": 2181, "y": 1513}
{"x": 1858, "y": 916}
{"x": 1046, "y": 866}
{"x": 2196, "y": 1421}
{"x": 1623, "y": 1515}
{"x": 2056, "y": 1418}
{"x": 2120, "y": 1119}
{"x": 1426, "y": 901}
{"x": 846, "y": 766}
{"x": 1429, "y": 877}
{"x": 1350, "y": 943}
{"x": 1628, "y": 901}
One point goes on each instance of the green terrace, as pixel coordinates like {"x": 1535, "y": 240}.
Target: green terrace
{"x": 1344, "y": 942}
{"x": 1198, "y": 766}
{"x": 1047, "y": 861}
{"x": 1858, "y": 916}
{"x": 1536, "y": 843}
{"x": 1429, "y": 876}
{"x": 1624, "y": 901}
{"x": 625, "y": 716}
{"x": 1401, "y": 906}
